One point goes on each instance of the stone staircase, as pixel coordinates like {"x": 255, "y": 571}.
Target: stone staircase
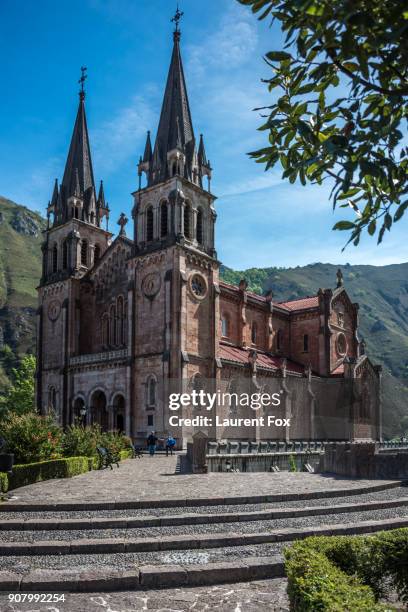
{"x": 131, "y": 545}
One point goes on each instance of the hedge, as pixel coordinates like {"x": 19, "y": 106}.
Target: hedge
{"x": 125, "y": 454}
{"x": 57, "y": 468}
{"x": 4, "y": 483}
{"x": 347, "y": 572}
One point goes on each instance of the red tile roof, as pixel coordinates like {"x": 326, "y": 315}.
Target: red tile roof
{"x": 301, "y": 304}
{"x": 241, "y": 355}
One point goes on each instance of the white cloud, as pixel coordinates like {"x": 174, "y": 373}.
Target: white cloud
{"x": 230, "y": 46}
{"x": 119, "y": 138}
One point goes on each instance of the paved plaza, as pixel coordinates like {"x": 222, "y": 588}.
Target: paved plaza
{"x": 259, "y": 596}
{"x": 157, "y": 478}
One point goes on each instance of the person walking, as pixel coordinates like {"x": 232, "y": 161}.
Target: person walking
{"x": 170, "y": 444}
{"x": 151, "y": 443}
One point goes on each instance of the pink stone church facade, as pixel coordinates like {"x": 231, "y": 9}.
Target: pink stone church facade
{"x": 124, "y": 321}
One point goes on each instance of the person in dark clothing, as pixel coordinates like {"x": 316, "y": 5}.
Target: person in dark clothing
{"x": 151, "y": 443}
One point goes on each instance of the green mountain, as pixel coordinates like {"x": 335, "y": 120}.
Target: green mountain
{"x": 20, "y": 271}
{"x": 381, "y": 291}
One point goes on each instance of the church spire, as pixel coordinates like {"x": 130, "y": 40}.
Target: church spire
{"x": 77, "y": 196}
{"x": 78, "y": 174}
{"x": 175, "y": 132}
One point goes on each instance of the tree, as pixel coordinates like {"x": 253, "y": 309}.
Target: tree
{"x": 20, "y": 397}
{"x": 343, "y": 86}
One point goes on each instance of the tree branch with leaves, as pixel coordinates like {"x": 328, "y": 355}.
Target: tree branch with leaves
{"x": 341, "y": 111}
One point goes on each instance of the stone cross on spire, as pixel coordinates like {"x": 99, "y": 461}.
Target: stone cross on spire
{"x": 176, "y": 19}
{"x": 82, "y": 80}
{"x": 122, "y": 222}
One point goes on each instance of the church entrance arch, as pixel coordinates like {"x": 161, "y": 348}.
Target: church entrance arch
{"x": 99, "y": 413}
{"x": 119, "y": 405}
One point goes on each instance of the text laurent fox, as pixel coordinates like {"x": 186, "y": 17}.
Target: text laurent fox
{"x": 205, "y": 421}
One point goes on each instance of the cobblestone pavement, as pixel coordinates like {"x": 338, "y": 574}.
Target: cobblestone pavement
{"x": 155, "y": 478}
{"x": 259, "y": 596}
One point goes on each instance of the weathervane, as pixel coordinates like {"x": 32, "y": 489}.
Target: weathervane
{"x": 82, "y": 80}
{"x": 177, "y": 17}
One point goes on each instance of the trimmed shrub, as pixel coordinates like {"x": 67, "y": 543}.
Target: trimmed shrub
{"x": 125, "y": 454}
{"x": 314, "y": 583}
{"x": 347, "y": 572}
{"x": 31, "y": 437}
{"x": 45, "y": 470}
{"x": 4, "y": 482}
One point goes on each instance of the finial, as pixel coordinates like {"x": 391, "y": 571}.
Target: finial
{"x": 81, "y": 81}
{"x": 340, "y": 279}
{"x": 176, "y": 19}
{"x": 122, "y": 222}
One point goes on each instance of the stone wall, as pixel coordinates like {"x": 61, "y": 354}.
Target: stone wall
{"x": 364, "y": 460}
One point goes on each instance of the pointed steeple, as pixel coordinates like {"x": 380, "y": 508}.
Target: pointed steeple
{"x": 78, "y": 174}
{"x": 202, "y": 157}
{"x": 175, "y": 126}
{"x": 147, "y": 156}
{"x": 101, "y": 196}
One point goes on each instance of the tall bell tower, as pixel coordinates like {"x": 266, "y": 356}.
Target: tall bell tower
{"x": 73, "y": 241}
{"x": 176, "y": 267}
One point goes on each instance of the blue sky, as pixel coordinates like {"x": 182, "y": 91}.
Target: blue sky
{"x": 126, "y": 45}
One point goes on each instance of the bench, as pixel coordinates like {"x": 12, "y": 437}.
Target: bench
{"x": 137, "y": 452}
{"x": 107, "y": 459}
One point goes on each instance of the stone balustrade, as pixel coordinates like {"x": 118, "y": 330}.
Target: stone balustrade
{"x": 234, "y": 447}
{"x": 99, "y": 357}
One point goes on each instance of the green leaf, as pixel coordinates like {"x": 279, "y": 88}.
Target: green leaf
{"x": 401, "y": 209}
{"x": 278, "y": 56}
{"x": 343, "y": 225}
{"x": 372, "y": 227}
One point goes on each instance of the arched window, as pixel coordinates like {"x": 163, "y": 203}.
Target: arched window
{"x": 254, "y": 332}
{"x": 149, "y": 224}
{"x": 306, "y": 343}
{"x": 76, "y": 212}
{"x": 84, "y": 253}
{"x": 112, "y": 326}
{"x": 92, "y": 217}
{"x": 121, "y": 330}
{"x": 200, "y": 226}
{"x": 55, "y": 258}
{"x": 279, "y": 340}
{"x": 97, "y": 253}
{"x": 151, "y": 392}
{"x": 105, "y": 330}
{"x": 65, "y": 255}
{"x": 125, "y": 324}
{"x": 187, "y": 221}
{"x": 52, "y": 399}
{"x": 174, "y": 169}
{"x": 164, "y": 224}
{"x": 225, "y": 326}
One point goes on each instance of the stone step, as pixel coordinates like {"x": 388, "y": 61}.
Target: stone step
{"x": 94, "y": 523}
{"x": 144, "y": 577}
{"x": 120, "y": 504}
{"x": 189, "y": 542}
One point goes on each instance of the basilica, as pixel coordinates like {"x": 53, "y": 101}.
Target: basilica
{"x": 125, "y": 321}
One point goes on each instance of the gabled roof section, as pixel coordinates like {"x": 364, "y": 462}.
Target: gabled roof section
{"x": 240, "y": 356}
{"x": 301, "y": 303}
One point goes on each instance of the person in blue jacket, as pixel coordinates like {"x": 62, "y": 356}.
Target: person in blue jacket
{"x": 170, "y": 444}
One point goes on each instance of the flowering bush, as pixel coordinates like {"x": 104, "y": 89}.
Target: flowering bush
{"x": 31, "y": 437}
{"x": 81, "y": 441}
